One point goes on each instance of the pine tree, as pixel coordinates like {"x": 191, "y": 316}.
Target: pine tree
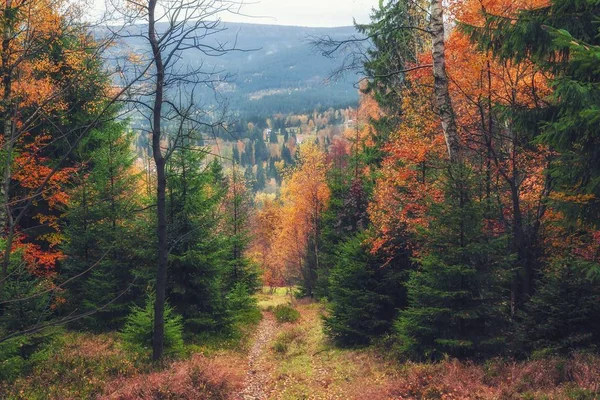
{"x": 455, "y": 305}
{"x": 197, "y": 250}
{"x": 102, "y": 235}
{"x": 363, "y": 295}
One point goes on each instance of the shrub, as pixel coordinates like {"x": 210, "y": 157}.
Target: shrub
{"x": 285, "y": 339}
{"x": 198, "y": 378}
{"x": 20, "y": 354}
{"x": 285, "y": 313}
{"x": 137, "y": 332}
{"x": 71, "y": 366}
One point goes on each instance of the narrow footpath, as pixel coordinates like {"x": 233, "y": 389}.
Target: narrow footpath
{"x": 258, "y": 375}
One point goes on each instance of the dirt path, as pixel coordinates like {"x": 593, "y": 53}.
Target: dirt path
{"x": 259, "y": 371}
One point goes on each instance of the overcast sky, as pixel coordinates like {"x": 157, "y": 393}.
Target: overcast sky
{"x": 308, "y": 12}
{"x": 297, "y": 12}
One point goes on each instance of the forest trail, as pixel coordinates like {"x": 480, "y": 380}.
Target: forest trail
{"x": 257, "y": 376}
{"x": 289, "y": 361}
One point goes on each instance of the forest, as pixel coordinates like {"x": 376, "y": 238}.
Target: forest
{"x": 440, "y": 240}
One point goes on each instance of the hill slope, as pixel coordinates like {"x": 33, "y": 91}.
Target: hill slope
{"x": 276, "y": 69}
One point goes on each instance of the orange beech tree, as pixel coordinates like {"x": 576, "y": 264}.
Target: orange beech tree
{"x": 265, "y": 224}
{"x": 288, "y": 242}
{"x": 305, "y": 196}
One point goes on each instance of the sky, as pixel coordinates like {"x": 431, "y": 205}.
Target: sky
{"x": 307, "y": 12}
{"x": 323, "y": 13}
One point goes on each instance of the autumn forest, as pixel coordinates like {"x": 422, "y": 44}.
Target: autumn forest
{"x": 403, "y": 209}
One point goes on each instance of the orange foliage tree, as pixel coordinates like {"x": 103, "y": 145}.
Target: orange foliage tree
{"x": 513, "y": 168}
{"x": 287, "y": 230}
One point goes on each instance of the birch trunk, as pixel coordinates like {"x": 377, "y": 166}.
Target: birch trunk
{"x": 442, "y": 94}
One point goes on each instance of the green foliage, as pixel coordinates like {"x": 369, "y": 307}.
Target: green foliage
{"x": 393, "y": 48}
{"x": 242, "y": 305}
{"x": 364, "y": 296}
{"x": 25, "y": 297}
{"x": 19, "y": 355}
{"x": 105, "y": 258}
{"x": 284, "y": 313}
{"x": 455, "y": 303}
{"x": 137, "y": 332}
{"x": 197, "y": 257}
{"x": 564, "y": 314}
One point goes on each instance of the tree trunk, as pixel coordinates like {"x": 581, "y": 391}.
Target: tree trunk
{"x": 442, "y": 94}
{"x": 158, "y": 335}
{"x": 8, "y": 132}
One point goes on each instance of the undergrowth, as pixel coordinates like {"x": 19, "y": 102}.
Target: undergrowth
{"x": 285, "y": 313}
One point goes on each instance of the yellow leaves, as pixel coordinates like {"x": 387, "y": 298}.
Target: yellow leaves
{"x": 282, "y": 228}
{"x": 563, "y": 197}
{"x": 135, "y": 58}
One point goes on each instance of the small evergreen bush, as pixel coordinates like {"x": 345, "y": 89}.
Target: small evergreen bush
{"x": 242, "y": 305}
{"x": 137, "y": 332}
{"x": 363, "y": 296}
{"x": 564, "y": 313}
{"x": 285, "y": 313}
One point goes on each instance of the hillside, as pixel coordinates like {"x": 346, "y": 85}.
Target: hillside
{"x": 275, "y": 70}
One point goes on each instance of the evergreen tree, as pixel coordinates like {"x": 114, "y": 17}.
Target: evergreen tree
{"x": 286, "y": 155}
{"x": 235, "y": 154}
{"x": 261, "y": 179}
{"x": 564, "y": 314}
{"x": 364, "y": 296}
{"x": 285, "y": 136}
{"x": 273, "y": 136}
{"x": 455, "y": 305}
{"x": 103, "y": 251}
{"x": 198, "y": 250}
{"x": 241, "y": 275}
{"x": 249, "y": 176}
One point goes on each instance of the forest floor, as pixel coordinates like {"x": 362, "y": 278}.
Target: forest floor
{"x": 296, "y": 361}
{"x": 289, "y": 361}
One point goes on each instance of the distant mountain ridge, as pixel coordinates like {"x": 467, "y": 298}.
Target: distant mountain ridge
{"x": 276, "y": 70}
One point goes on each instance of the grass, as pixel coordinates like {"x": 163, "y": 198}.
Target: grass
{"x": 292, "y": 337}
{"x": 270, "y": 298}
{"x": 307, "y": 365}
{"x": 302, "y": 364}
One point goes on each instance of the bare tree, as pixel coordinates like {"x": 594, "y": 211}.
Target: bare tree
{"x": 163, "y": 33}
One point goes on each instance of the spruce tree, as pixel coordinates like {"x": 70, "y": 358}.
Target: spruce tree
{"x": 455, "y": 305}
{"x": 197, "y": 248}
{"x": 564, "y": 314}
{"x": 364, "y": 296}
{"x": 102, "y": 234}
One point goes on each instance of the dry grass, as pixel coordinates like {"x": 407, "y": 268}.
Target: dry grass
{"x": 271, "y": 298}
{"x": 308, "y": 367}
{"x": 197, "y": 378}
{"x": 297, "y": 362}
